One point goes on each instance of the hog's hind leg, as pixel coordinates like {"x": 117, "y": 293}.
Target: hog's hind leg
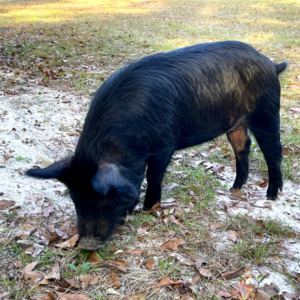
{"x": 266, "y": 130}
{"x": 240, "y": 142}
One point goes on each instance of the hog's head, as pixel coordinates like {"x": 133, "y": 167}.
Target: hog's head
{"x": 101, "y": 201}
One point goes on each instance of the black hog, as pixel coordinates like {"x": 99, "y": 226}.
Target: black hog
{"x": 159, "y": 104}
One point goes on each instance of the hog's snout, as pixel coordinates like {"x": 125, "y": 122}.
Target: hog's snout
{"x": 90, "y": 243}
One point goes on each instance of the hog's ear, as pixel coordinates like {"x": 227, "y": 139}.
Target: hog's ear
{"x": 108, "y": 178}
{"x": 57, "y": 170}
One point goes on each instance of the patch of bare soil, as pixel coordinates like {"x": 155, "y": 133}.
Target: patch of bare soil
{"x": 38, "y": 126}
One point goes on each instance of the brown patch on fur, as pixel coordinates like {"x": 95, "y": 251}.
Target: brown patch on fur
{"x": 238, "y": 139}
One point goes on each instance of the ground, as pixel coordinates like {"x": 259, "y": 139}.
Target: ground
{"x": 202, "y": 242}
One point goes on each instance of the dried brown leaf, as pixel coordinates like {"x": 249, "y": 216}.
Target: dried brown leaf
{"x": 141, "y": 239}
{"x": 244, "y": 205}
{"x": 95, "y": 258}
{"x": 215, "y": 226}
{"x": 173, "y": 244}
{"x": 85, "y": 279}
{"x": 175, "y": 221}
{"x": 114, "y": 280}
{"x": 48, "y": 210}
{"x": 224, "y": 294}
{"x": 295, "y": 109}
{"x": 264, "y": 183}
{"x": 186, "y": 297}
{"x": 168, "y": 236}
{"x": 233, "y": 235}
{"x": 205, "y": 272}
{"x": 73, "y": 283}
{"x": 261, "y": 295}
{"x": 66, "y": 226}
{"x": 232, "y": 274}
{"x": 70, "y": 243}
{"x": 118, "y": 264}
{"x": 47, "y": 296}
{"x": 94, "y": 280}
{"x": 30, "y": 267}
{"x": 149, "y": 264}
{"x": 6, "y": 203}
{"x": 33, "y": 275}
{"x": 165, "y": 281}
{"x": 54, "y": 274}
{"x": 51, "y": 228}
{"x": 136, "y": 251}
{"x": 71, "y": 296}
{"x": 44, "y": 281}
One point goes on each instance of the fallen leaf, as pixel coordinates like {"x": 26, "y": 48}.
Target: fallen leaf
{"x": 196, "y": 279}
{"x": 233, "y": 235}
{"x": 173, "y": 244}
{"x": 95, "y": 258}
{"x": 186, "y": 297}
{"x": 70, "y": 243}
{"x": 270, "y": 289}
{"x": 44, "y": 281}
{"x": 114, "y": 280}
{"x": 296, "y": 109}
{"x": 246, "y": 290}
{"x": 224, "y": 294}
{"x": 141, "y": 239}
{"x": 135, "y": 251}
{"x": 27, "y": 226}
{"x": 59, "y": 232}
{"x": 54, "y": 274}
{"x": 85, "y": 279}
{"x": 29, "y": 250}
{"x": 256, "y": 223}
{"x": 205, "y": 272}
{"x": 139, "y": 297}
{"x": 200, "y": 260}
{"x": 165, "y": 281}
{"x": 25, "y": 235}
{"x": 237, "y": 194}
{"x": 66, "y": 226}
{"x": 264, "y": 183}
{"x": 6, "y": 203}
{"x": 51, "y": 228}
{"x": 175, "y": 221}
{"x": 73, "y": 283}
{"x": 261, "y": 295}
{"x": 168, "y": 236}
{"x": 30, "y": 267}
{"x": 149, "y": 264}
{"x": 33, "y": 275}
{"x": 215, "y": 226}
{"x": 71, "y": 296}
{"x": 47, "y": 296}
{"x": 118, "y": 263}
{"x": 232, "y": 274}
{"x": 94, "y": 280}
{"x": 48, "y": 210}
{"x": 244, "y": 205}
{"x": 290, "y": 295}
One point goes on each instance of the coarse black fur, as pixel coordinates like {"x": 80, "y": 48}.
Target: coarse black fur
{"x": 162, "y": 103}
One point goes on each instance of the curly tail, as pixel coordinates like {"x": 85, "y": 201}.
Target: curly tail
{"x": 281, "y": 67}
